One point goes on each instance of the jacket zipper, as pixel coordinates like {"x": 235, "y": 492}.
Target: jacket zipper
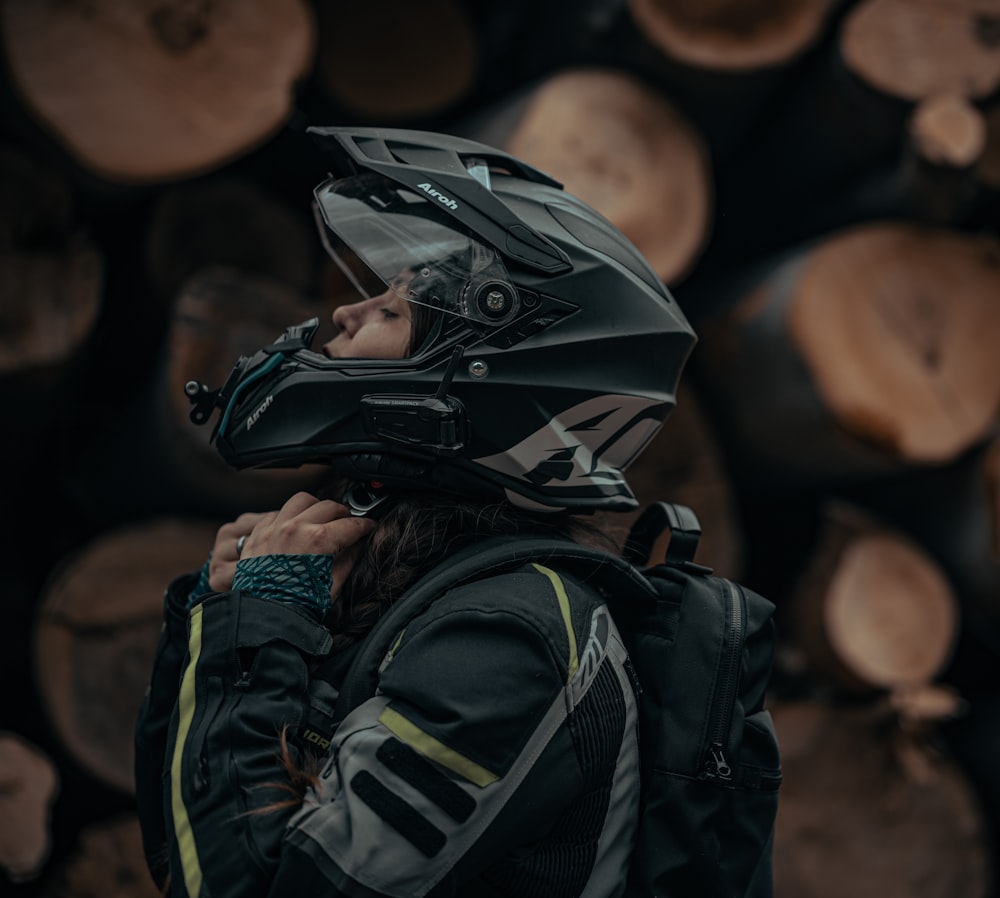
{"x": 715, "y": 765}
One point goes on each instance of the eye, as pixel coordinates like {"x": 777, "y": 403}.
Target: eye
{"x": 388, "y": 314}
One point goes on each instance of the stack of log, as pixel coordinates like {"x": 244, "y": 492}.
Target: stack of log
{"x": 818, "y": 182}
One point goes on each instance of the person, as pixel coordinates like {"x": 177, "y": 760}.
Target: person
{"x": 510, "y": 354}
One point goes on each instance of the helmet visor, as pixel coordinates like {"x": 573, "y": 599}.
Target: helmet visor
{"x": 386, "y": 237}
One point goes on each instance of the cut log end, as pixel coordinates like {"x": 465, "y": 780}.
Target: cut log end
{"x": 626, "y": 151}
{"x": 144, "y": 92}
{"x": 29, "y": 785}
{"x": 914, "y": 49}
{"x": 890, "y": 614}
{"x": 948, "y": 131}
{"x": 872, "y": 610}
{"x": 96, "y": 633}
{"x": 897, "y": 326}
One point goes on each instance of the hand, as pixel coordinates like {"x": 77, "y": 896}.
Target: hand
{"x": 224, "y": 554}
{"x": 306, "y": 525}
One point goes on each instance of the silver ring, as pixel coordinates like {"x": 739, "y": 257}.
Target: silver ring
{"x": 239, "y": 545}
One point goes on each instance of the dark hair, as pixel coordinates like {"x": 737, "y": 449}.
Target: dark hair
{"x": 416, "y": 532}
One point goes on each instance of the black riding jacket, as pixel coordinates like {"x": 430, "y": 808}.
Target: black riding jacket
{"x": 499, "y": 756}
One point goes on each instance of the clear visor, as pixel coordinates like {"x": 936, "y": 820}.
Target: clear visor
{"x": 386, "y": 237}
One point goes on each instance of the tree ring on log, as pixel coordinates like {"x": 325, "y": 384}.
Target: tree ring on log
{"x": 920, "y": 48}
{"x": 396, "y": 59}
{"x": 898, "y": 326}
{"x": 148, "y": 90}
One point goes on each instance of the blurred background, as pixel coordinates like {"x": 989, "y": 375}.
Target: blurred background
{"x": 817, "y": 181}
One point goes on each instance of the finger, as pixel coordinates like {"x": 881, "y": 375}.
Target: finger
{"x": 231, "y": 531}
{"x": 297, "y": 538}
{"x": 220, "y": 574}
{"x": 237, "y": 546}
{"x": 296, "y": 504}
{"x": 248, "y": 520}
{"x": 349, "y": 531}
{"x": 323, "y": 511}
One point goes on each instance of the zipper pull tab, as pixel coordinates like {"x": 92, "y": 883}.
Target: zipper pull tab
{"x": 716, "y": 765}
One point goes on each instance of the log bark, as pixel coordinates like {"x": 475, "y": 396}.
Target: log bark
{"x": 946, "y": 139}
{"x": 96, "y": 629}
{"x": 934, "y": 180}
{"x": 52, "y": 284}
{"x": 51, "y": 271}
{"x": 953, "y": 512}
{"x": 107, "y": 862}
{"x": 869, "y": 811}
{"x": 29, "y": 784}
{"x": 157, "y": 90}
{"x": 684, "y": 464}
{"x": 620, "y": 147}
{"x": 822, "y": 133}
{"x": 988, "y": 165}
{"x": 922, "y": 48}
{"x": 233, "y": 222}
{"x": 150, "y": 459}
{"x": 732, "y": 34}
{"x": 872, "y": 610}
{"x": 861, "y": 355}
{"x": 722, "y": 62}
{"x": 395, "y": 61}
{"x": 221, "y": 314}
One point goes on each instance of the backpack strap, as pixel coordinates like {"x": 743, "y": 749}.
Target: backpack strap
{"x": 484, "y": 558}
{"x": 685, "y": 531}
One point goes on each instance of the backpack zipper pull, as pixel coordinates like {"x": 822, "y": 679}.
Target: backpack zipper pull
{"x": 716, "y": 766}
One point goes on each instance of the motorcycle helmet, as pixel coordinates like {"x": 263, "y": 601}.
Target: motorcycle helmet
{"x": 548, "y": 353}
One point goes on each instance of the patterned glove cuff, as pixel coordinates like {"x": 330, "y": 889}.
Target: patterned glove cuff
{"x": 202, "y": 587}
{"x": 298, "y": 579}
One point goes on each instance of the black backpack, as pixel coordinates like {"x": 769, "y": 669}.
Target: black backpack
{"x": 701, "y": 647}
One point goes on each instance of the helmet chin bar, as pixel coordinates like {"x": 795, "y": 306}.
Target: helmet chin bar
{"x": 435, "y": 423}
{"x": 204, "y": 401}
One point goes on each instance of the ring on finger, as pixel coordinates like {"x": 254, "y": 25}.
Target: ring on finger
{"x": 239, "y": 545}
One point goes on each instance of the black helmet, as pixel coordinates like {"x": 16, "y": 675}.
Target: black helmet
{"x": 551, "y": 357}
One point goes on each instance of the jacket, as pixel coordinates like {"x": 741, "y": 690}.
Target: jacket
{"x": 499, "y": 756}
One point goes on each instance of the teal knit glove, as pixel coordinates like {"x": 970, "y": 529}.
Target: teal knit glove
{"x": 202, "y": 587}
{"x": 297, "y": 579}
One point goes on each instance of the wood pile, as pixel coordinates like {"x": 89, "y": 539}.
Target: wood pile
{"x": 818, "y": 181}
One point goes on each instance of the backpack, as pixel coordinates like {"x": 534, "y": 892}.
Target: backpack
{"x": 701, "y": 647}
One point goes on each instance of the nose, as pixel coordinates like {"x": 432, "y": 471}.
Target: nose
{"x": 340, "y": 318}
{"x": 350, "y": 316}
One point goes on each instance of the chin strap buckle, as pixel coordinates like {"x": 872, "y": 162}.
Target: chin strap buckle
{"x": 364, "y": 498}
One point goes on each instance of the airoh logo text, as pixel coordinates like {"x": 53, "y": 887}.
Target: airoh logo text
{"x": 260, "y": 411}
{"x": 440, "y": 197}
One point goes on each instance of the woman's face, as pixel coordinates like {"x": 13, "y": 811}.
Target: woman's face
{"x": 374, "y": 328}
